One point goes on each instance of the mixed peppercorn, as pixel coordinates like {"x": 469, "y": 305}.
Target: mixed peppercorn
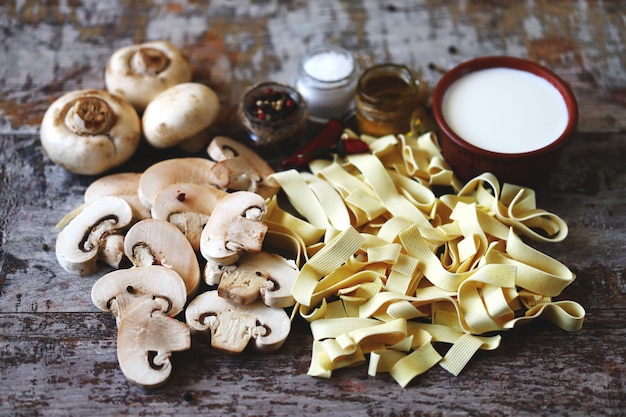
{"x": 272, "y": 105}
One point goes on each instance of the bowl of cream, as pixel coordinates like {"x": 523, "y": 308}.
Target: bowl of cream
{"x": 503, "y": 115}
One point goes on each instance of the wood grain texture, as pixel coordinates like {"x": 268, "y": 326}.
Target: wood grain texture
{"x": 57, "y": 352}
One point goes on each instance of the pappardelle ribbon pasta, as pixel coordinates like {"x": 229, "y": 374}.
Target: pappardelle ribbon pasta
{"x": 393, "y": 269}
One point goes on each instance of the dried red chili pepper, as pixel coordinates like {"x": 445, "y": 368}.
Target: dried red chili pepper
{"x": 354, "y": 145}
{"x": 325, "y": 139}
{"x": 349, "y": 146}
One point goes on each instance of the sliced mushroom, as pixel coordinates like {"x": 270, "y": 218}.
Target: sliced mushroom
{"x": 263, "y": 275}
{"x": 117, "y": 290}
{"x": 173, "y": 171}
{"x": 188, "y": 206}
{"x": 90, "y": 131}
{"x": 111, "y": 251}
{"x": 140, "y": 72}
{"x": 240, "y": 168}
{"x": 111, "y": 246}
{"x": 157, "y": 242}
{"x": 181, "y": 113}
{"x": 214, "y": 271}
{"x": 146, "y": 337}
{"x": 123, "y": 184}
{"x": 79, "y": 242}
{"x": 235, "y": 226}
{"x": 231, "y": 326}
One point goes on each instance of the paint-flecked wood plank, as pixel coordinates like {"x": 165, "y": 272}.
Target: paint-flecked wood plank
{"x": 58, "y": 353}
{"x": 58, "y": 362}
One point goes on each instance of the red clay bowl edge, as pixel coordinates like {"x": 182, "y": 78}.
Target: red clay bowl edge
{"x": 468, "y": 161}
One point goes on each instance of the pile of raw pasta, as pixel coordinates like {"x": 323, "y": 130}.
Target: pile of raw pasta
{"x": 393, "y": 269}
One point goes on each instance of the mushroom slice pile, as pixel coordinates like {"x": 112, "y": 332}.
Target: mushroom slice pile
{"x": 90, "y": 131}
{"x": 123, "y": 184}
{"x": 181, "y": 115}
{"x": 240, "y": 168}
{"x": 231, "y": 326}
{"x": 173, "y": 171}
{"x": 79, "y": 243}
{"x": 146, "y": 337}
{"x": 140, "y": 72}
{"x": 265, "y": 276}
{"x": 157, "y": 242}
{"x": 116, "y": 291}
{"x": 235, "y": 226}
{"x": 188, "y": 206}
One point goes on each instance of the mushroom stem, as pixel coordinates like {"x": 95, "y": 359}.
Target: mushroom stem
{"x": 149, "y": 61}
{"x": 89, "y": 116}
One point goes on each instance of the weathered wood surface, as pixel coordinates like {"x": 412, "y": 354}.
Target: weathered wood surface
{"x": 57, "y": 353}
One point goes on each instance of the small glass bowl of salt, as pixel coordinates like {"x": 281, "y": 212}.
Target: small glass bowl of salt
{"x": 327, "y": 80}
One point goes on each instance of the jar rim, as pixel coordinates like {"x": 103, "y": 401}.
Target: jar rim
{"x": 286, "y": 89}
{"x": 329, "y": 48}
{"x": 401, "y": 71}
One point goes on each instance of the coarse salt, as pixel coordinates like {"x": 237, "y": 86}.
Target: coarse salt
{"x": 329, "y": 66}
{"x": 327, "y": 81}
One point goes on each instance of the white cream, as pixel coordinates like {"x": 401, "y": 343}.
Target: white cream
{"x": 505, "y": 110}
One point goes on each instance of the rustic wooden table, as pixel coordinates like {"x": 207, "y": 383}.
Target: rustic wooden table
{"x": 58, "y": 352}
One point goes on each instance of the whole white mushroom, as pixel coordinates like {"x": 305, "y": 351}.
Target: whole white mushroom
{"x": 139, "y": 72}
{"x": 90, "y": 131}
{"x": 181, "y": 116}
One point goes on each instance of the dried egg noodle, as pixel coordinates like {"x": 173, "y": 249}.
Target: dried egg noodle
{"x": 391, "y": 269}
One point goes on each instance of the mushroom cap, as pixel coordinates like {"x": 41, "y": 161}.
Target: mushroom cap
{"x": 223, "y": 147}
{"x": 179, "y": 113}
{"x": 90, "y": 151}
{"x": 188, "y": 206}
{"x": 265, "y": 276}
{"x": 146, "y": 337}
{"x": 173, "y": 171}
{"x": 116, "y": 291}
{"x": 123, "y": 184}
{"x": 78, "y": 243}
{"x": 158, "y": 242}
{"x": 231, "y": 326}
{"x": 235, "y": 226}
{"x": 140, "y": 72}
{"x": 240, "y": 168}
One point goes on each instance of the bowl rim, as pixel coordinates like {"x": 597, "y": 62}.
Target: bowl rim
{"x": 295, "y": 95}
{"x": 501, "y": 61}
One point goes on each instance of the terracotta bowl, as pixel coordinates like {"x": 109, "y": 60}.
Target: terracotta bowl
{"x": 525, "y": 168}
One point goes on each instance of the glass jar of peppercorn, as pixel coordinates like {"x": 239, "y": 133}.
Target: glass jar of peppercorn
{"x": 272, "y": 112}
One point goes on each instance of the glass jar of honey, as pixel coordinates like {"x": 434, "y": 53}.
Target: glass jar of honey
{"x": 386, "y": 100}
